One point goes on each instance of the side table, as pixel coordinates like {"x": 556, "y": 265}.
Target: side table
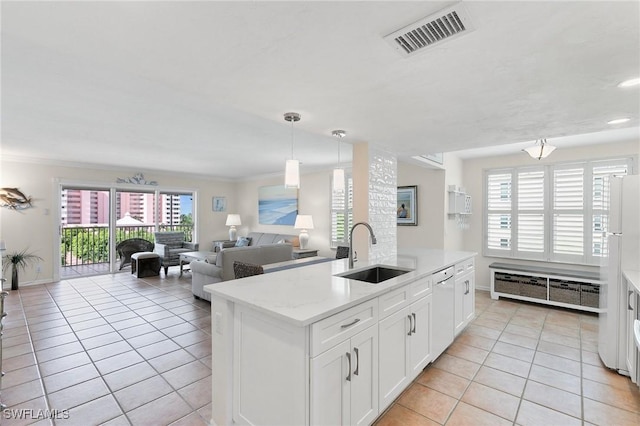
{"x": 302, "y": 253}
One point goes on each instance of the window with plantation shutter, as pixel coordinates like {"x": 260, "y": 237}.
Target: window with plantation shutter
{"x": 555, "y": 213}
{"x": 341, "y": 213}
{"x": 499, "y": 212}
{"x": 568, "y": 213}
{"x": 531, "y": 206}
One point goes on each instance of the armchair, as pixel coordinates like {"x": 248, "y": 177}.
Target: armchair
{"x": 128, "y": 247}
{"x": 169, "y": 245}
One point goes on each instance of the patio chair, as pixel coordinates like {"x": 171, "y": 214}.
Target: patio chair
{"x": 170, "y": 245}
{"x": 128, "y": 247}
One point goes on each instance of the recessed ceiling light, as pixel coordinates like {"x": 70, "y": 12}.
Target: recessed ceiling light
{"x": 618, "y": 121}
{"x": 629, "y": 83}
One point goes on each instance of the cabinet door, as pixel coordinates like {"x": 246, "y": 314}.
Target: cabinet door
{"x": 393, "y": 356}
{"x": 330, "y": 403}
{"x": 469, "y": 305}
{"x": 630, "y": 310}
{"x": 420, "y": 339}
{"x": 458, "y": 307}
{"x": 364, "y": 377}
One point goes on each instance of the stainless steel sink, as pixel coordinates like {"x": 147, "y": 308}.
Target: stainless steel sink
{"x": 374, "y": 274}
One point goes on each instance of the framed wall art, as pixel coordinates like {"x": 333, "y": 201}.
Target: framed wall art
{"x": 407, "y": 208}
{"x": 277, "y": 205}
{"x": 219, "y": 204}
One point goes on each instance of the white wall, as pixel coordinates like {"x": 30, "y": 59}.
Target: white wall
{"x": 453, "y": 234}
{"x": 36, "y": 228}
{"x": 431, "y": 213}
{"x": 313, "y": 198}
{"x": 474, "y": 184}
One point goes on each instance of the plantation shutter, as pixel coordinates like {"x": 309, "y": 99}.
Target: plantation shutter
{"x": 531, "y": 206}
{"x": 499, "y": 212}
{"x": 568, "y": 213}
{"x": 341, "y": 214}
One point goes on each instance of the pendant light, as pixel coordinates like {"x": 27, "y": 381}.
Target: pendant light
{"x": 292, "y": 166}
{"x": 338, "y": 172}
{"x": 540, "y": 150}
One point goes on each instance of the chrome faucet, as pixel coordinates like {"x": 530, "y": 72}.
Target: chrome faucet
{"x": 373, "y": 240}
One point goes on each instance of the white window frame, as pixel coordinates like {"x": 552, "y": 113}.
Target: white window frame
{"x": 587, "y": 257}
{"x": 347, "y": 211}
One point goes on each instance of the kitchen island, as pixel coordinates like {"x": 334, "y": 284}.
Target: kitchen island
{"x": 308, "y": 346}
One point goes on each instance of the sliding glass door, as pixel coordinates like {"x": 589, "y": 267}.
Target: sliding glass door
{"x": 93, "y": 221}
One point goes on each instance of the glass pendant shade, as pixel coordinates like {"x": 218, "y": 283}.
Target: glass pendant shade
{"x": 292, "y": 174}
{"x": 338, "y": 180}
{"x": 540, "y": 150}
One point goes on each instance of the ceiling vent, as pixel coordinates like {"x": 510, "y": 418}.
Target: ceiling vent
{"x": 444, "y": 25}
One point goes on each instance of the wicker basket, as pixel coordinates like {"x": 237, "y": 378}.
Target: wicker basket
{"x": 506, "y": 283}
{"x": 564, "y": 291}
{"x": 534, "y": 287}
{"x": 590, "y": 295}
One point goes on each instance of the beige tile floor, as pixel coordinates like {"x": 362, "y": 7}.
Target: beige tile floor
{"x": 519, "y": 363}
{"x": 117, "y": 350}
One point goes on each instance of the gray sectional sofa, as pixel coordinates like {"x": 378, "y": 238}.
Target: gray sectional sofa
{"x": 264, "y": 248}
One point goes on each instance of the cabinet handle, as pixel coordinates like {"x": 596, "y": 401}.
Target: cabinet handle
{"x": 351, "y": 323}
{"x": 629, "y": 300}
{"x": 355, "y": 372}
{"x": 410, "y": 324}
{"x": 349, "y": 359}
{"x": 414, "y": 322}
{"x": 467, "y": 284}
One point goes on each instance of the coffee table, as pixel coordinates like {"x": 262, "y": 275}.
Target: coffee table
{"x": 193, "y": 255}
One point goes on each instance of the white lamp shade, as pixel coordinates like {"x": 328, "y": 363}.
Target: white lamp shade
{"x": 233, "y": 220}
{"x": 338, "y": 180}
{"x": 540, "y": 151}
{"x": 292, "y": 174}
{"x": 303, "y": 221}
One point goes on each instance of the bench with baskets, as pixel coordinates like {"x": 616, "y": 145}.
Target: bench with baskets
{"x": 551, "y": 286}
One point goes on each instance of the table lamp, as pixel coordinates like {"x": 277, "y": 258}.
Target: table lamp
{"x": 304, "y": 222}
{"x": 233, "y": 220}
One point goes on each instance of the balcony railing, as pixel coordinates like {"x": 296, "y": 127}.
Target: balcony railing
{"x": 88, "y": 245}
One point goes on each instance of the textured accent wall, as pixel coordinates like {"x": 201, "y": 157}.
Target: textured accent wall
{"x": 383, "y": 183}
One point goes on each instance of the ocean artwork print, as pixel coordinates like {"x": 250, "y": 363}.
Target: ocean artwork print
{"x": 277, "y": 205}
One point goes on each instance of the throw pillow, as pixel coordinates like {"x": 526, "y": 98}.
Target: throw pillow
{"x": 243, "y": 241}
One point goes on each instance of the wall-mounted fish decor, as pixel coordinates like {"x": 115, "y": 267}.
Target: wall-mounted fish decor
{"x": 13, "y": 199}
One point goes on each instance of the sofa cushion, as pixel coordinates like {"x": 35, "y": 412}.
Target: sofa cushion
{"x": 262, "y": 238}
{"x": 243, "y": 241}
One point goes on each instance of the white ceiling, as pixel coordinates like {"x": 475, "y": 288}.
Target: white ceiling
{"x": 201, "y": 87}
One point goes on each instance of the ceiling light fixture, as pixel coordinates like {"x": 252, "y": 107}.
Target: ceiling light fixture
{"x": 292, "y": 167}
{"x": 630, "y": 83}
{"x": 540, "y": 150}
{"x": 338, "y": 172}
{"x": 618, "y": 121}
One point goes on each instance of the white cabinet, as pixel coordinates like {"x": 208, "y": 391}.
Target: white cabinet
{"x": 344, "y": 382}
{"x": 464, "y": 301}
{"x": 631, "y": 315}
{"x": 405, "y": 348}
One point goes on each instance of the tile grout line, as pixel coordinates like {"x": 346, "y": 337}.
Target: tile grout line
{"x": 93, "y": 363}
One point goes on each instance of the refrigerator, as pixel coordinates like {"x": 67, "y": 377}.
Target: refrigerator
{"x": 623, "y": 236}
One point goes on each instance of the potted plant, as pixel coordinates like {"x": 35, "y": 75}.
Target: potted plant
{"x": 18, "y": 260}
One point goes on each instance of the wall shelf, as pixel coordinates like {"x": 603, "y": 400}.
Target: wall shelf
{"x": 459, "y": 206}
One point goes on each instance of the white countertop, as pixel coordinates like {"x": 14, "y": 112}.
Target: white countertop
{"x": 304, "y": 295}
{"x": 632, "y": 276}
